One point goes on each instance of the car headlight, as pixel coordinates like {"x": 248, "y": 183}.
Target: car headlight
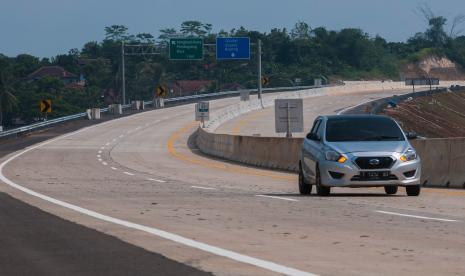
{"x": 409, "y": 155}
{"x": 334, "y": 156}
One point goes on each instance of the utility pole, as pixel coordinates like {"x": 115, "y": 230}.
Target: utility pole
{"x": 123, "y": 79}
{"x": 259, "y": 56}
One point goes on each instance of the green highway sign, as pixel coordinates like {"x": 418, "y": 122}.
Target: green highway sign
{"x": 186, "y": 49}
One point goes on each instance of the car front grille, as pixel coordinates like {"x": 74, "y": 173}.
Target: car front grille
{"x": 369, "y": 163}
{"x": 364, "y": 178}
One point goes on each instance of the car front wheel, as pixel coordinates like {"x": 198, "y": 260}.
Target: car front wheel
{"x": 304, "y": 188}
{"x": 320, "y": 189}
{"x": 391, "y": 190}
{"x": 413, "y": 190}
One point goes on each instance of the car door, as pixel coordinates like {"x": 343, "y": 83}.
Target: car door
{"x": 310, "y": 150}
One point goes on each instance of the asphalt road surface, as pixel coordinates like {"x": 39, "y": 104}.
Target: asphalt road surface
{"x": 141, "y": 179}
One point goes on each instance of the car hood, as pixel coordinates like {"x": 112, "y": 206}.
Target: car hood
{"x": 371, "y": 146}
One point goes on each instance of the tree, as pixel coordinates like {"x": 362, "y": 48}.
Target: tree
{"x": 116, "y": 32}
{"x": 195, "y": 28}
{"x": 301, "y": 30}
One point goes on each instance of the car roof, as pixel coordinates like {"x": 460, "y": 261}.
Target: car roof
{"x": 355, "y": 116}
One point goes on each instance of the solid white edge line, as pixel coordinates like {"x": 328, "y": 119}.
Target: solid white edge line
{"x": 157, "y": 232}
{"x": 277, "y": 197}
{"x": 203, "y": 188}
{"x": 414, "y": 216}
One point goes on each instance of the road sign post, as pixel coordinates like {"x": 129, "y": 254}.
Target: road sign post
{"x": 232, "y": 48}
{"x": 186, "y": 49}
{"x": 202, "y": 112}
{"x": 259, "y": 56}
{"x": 289, "y": 116}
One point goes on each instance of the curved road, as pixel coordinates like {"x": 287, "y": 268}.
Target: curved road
{"x": 141, "y": 179}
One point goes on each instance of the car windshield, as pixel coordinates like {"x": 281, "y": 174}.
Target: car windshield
{"x": 363, "y": 129}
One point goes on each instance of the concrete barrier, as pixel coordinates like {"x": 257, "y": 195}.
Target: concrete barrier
{"x": 115, "y": 109}
{"x": 443, "y": 159}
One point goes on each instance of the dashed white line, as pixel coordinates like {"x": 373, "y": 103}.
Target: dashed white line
{"x": 100, "y": 160}
{"x": 277, "y": 197}
{"x": 114, "y": 140}
{"x": 99, "y": 156}
{"x": 203, "y": 188}
{"x": 99, "y": 152}
{"x": 156, "y": 180}
{"x": 107, "y": 144}
{"x": 414, "y": 216}
{"x": 102, "y": 148}
{"x": 104, "y": 163}
{"x": 128, "y": 173}
{"x": 113, "y": 168}
{"x": 121, "y": 136}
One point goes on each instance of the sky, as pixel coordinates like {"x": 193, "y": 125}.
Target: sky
{"x": 45, "y": 28}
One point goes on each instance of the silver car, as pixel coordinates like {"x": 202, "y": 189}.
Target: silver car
{"x": 358, "y": 151}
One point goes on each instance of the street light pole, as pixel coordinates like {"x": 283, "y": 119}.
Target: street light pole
{"x": 259, "y": 56}
{"x": 123, "y": 79}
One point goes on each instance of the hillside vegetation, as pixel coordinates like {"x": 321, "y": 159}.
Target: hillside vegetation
{"x": 290, "y": 57}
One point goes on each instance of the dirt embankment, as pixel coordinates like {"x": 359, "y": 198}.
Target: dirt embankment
{"x": 437, "y": 116}
{"x": 433, "y": 67}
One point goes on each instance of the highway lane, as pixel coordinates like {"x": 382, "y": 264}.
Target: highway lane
{"x": 144, "y": 169}
{"x": 262, "y": 121}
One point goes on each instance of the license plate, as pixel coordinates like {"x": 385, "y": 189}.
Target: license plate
{"x": 375, "y": 174}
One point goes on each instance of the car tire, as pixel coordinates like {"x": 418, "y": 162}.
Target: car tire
{"x": 320, "y": 189}
{"x": 413, "y": 190}
{"x": 391, "y": 190}
{"x": 304, "y": 188}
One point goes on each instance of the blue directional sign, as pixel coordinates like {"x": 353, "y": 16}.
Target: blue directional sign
{"x": 232, "y": 48}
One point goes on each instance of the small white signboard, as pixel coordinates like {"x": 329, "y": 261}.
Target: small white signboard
{"x": 245, "y": 96}
{"x": 202, "y": 111}
{"x": 289, "y": 116}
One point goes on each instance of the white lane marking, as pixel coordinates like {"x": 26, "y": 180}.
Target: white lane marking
{"x": 277, "y": 197}
{"x": 414, "y": 216}
{"x": 156, "y": 180}
{"x": 107, "y": 144}
{"x": 354, "y": 106}
{"x": 99, "y": 152}
{"x": 102, "y": 148}
{"x": 113, "y": 168}
{"x": 157, "y": 232}
{"x": 128, "y": 173}
{"x": 121, "y": 136}
{"x": 104, "y": 163}
{"x": 100, "y": 160}
{"x": 99, "y": 156}
{"x": 114, "y": 140}
{"x": 203, "y": 188}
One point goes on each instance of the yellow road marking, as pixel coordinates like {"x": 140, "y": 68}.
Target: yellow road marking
{"x": 215, "y": 164}
{"x": 250, "y": 171}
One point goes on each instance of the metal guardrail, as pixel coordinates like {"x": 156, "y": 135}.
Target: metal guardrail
{"x": 36, "y": 126}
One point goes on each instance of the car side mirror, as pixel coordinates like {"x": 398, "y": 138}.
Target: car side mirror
{"x": 411, "y": 135}
{"x": 313, "y": 137}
